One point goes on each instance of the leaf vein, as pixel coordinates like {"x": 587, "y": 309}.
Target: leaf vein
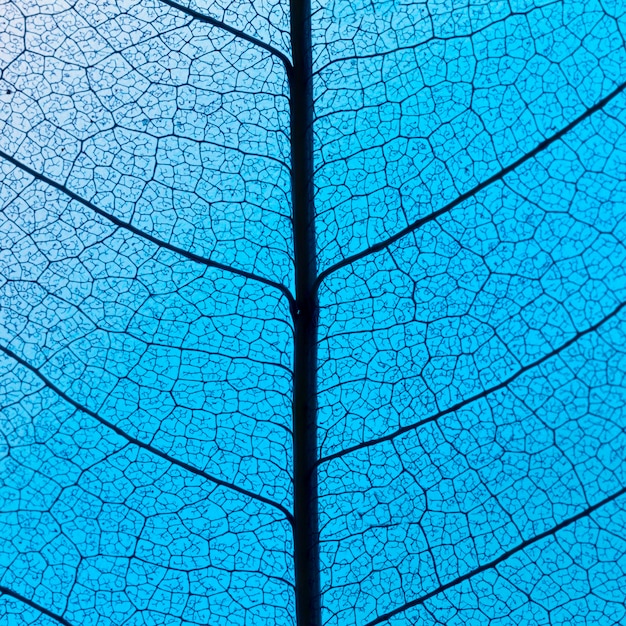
{"x": 546, "y": 143}
{"x": 140, "y": 233}
{"x": 17, "y": 596}
{"x": 234, "y": 31}
{"x": 145, "y": 446}
{"x": 491, "y": 564}
{"x": 483, "y": 394}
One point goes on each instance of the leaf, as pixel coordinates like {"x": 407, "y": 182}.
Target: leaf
{"x": 312, "y": 314}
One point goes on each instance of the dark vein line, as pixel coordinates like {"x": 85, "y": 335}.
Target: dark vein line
{"x": 497, "y": 561}
{"x": 146, "y": 446}
{"x": 306, "y": 535}
{"x": 472, "y": 192}
{"x": 227, "y": 570}
{"x": 34, "y": 605}
{"x": 140, "y": 233}
{"x": 434, "y": 38}
{"x": 478, "y": 396}
{"x": 234, "y": 31}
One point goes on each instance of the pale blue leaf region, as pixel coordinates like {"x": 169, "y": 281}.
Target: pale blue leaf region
{"x": 470, "y": 194}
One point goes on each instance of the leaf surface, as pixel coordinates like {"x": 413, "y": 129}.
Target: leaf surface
{"x": 469, "y": 201}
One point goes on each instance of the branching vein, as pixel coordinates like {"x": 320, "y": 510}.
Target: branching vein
{"x": 478, "y": 396}
{"x": 140, "y": 444}
{"x": 546, "y": 143}
{"x": 503, "y": 557}
{"x": 147, "y": 236}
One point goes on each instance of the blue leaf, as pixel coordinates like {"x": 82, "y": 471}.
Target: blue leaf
{"x": 312, "y": 313}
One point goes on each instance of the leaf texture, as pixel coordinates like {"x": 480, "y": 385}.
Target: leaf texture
{"x": 146, "y": 418}
{"x": 469, "y": 187}
{"x": 470, "y": 202}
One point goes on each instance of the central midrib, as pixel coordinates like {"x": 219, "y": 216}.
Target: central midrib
{"x": 305, "y": 313}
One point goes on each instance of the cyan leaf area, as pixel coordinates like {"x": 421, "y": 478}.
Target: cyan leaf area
{"x": 469, "y": 172}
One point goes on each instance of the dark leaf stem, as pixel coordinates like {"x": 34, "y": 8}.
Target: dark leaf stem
{"x": 306, "y": 532}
